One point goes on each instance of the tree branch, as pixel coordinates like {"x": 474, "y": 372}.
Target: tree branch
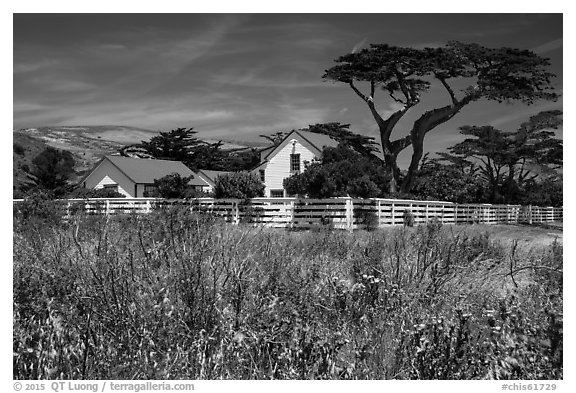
{"x": 402, "y": 84}
{"x": 448, "y": 88}
{"x": 400, "y": 144}
{"x": 534, "y": 267}
{"x": 358, "y": 91}
{"x": 397, "y": 99}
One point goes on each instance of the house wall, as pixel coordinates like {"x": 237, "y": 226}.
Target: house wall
{"x": 140, "y": 190}
{"x": 278, "y": 167}
{"x": 106, "y": 173}
{"x": 208, "y": 187}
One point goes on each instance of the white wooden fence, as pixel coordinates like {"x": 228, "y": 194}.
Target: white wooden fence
{"x": 339, "y": 213}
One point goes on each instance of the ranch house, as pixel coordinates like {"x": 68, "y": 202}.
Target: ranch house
{"x": 135, "y": 176}
{"x": 290, "y": 157}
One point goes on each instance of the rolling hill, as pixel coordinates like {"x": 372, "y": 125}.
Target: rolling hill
{"x": 88, "y": 144}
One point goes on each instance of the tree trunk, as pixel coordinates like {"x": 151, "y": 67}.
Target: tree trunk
{"x": 418, "y": 153}
{"x": 389, "y": 150}
{"x": 426, "y": 123}
{"x": 390, "y": 160}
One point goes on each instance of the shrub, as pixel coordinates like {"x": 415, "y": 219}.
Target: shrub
{"x": 171, "y": 186}
{"x": 53, "y": 168}
{"x": 342, "y": 172}
{"x": 363, "y": 187}
{"x": 38, "y": 209}
{"x": 368, "y": 219}
{"x": 242, "y": 185}
{"x": 408, "y": 218}
{"x": 19, "y": 149}
{"x": 85, "y": 193}
{"x": 181, "y": 295}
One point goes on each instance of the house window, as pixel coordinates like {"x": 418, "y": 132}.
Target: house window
{"x": 149, "y": 190}
{"x": 277, "y": 193}
{"x": 111, "y": 187}
{"x": 262, "y": 175}
{"x": 294, "y": 162}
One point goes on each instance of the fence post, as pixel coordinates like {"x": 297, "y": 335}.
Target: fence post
{"x": 349, "y": 214}
{"x": 290, "y": 218}
{"x": 392, "y": 214}
{"x": 379, "y": 207}
{"x": 107, "y": 206}
{"x": 235, "y": 213}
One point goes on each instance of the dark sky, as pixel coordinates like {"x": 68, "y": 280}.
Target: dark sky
{"x": 237, "y": 76}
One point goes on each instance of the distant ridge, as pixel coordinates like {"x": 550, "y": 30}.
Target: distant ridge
{"x": 88, "y": 144}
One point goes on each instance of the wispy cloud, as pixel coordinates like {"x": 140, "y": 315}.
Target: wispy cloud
{"x": 235, "y": 75}
{"x": 359, "y": 45}
{"x": 34, "y": 65}
{"x": 20, "y": 107}
{"x": 548, "y": 46}
{"x": 522, "y": 114}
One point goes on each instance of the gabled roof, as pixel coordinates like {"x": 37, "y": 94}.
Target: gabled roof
{"x": 317, "y": 142}
{"x": 320, "y": 141}
{"x": 265, "y": 152}
{"x": 145, "y": 171}
{"x": 210, "y": 176}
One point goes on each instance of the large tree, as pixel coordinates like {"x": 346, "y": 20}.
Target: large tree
{"x": 341, "y": 171}
{"x": 509, "y": 160}
{"x": 53, "y": 168}
{"x": 362, "y": 144}
{"x": 340, "y": 132}
{"x": 448, "y": 178}
{"x": 180, "y": 144}
{"x": 498, "y": 74}
{"x": 276, "y": 138}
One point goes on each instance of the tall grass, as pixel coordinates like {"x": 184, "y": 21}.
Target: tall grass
{"x": 174, "y": 295}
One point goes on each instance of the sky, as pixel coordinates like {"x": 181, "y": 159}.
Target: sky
{"x": 235, "y": 76}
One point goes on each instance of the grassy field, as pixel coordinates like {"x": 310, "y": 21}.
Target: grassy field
{"x": 177, "y": 296}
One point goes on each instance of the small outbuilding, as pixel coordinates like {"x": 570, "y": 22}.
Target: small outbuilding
{"x": 210, "y": 176}
{"x": 135, "y": 176}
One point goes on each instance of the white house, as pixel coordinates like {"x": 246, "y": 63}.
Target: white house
{"x": 134, "y": 176}
{"x": 291, "y": 156}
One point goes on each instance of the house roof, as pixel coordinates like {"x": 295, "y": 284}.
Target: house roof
{"x": 210, "y": 176}
{"x": 315, "y": 140}
{"x": 145, "y": 171}
{"x": 265, "y": 152}
{"x": 320, "y": 141}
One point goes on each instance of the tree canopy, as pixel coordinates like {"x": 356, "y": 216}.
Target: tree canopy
{"x": 362, "y": 144}
{"x": 172, "y": 186}
{"x": 495, "y": 166}
{"x": 182, "y": 145}
{"x": 341, "y": 171}
{"x": 404, "y": 74}
{"x": 52, "y": 168}
{"x": 243, "y": 185}
{"x": 340, "y": 132}
{"x": 508, "y": 160}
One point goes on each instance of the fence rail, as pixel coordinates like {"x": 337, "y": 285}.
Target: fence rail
{"x": 338, "y": 213}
